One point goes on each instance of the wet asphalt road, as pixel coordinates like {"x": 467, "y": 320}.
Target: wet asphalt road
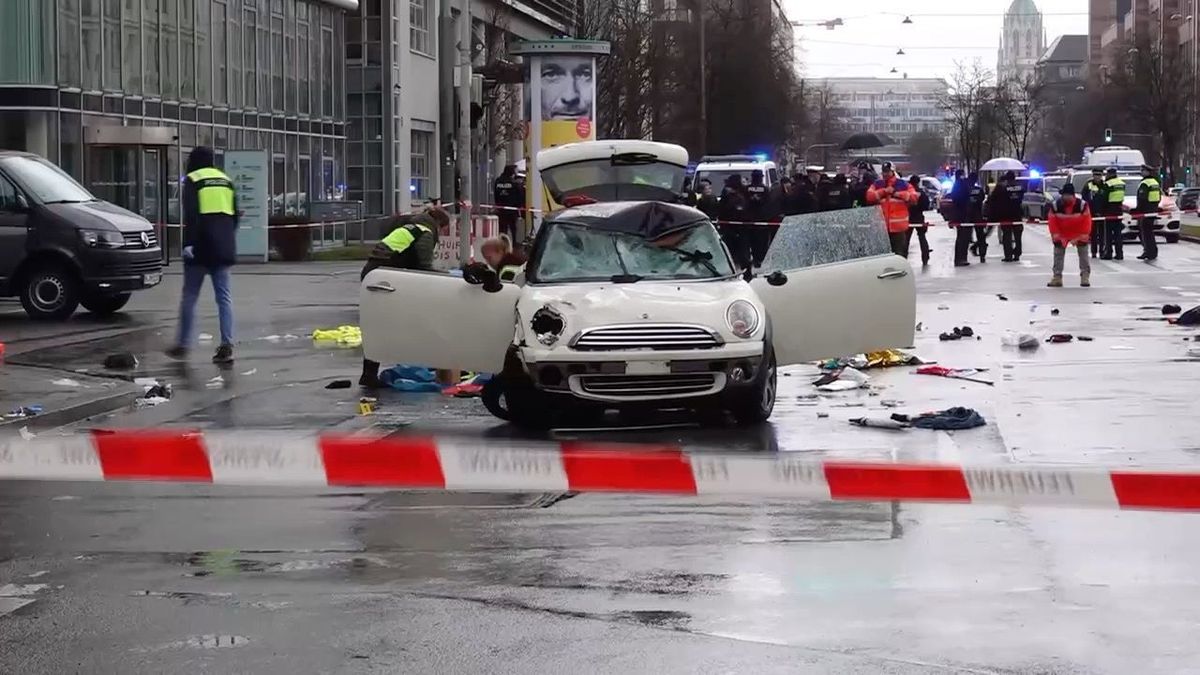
{"x": 154, "y": 578}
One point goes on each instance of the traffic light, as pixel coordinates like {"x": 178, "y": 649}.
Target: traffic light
{"x": 1108, "y": 135}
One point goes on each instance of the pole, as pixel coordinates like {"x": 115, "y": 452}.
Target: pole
{"x": 447, "y": 54}
{"x": 703, "y": 81}
{"x": 464, "y": 130}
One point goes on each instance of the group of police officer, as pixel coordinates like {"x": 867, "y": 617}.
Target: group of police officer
{"x": 1104, "y": 194}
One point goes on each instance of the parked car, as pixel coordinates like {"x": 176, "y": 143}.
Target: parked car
{"x": 1167, "y": 224}
{"x": 1188, "y": 199}
{"x": 635, "y": 305}
{"x": 933, "y": 189}
{"x": 61, "y": 247}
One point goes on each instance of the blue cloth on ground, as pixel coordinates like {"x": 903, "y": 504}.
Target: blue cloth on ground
{"x": 952, "y": 419}
{"x": 410, "y": 378}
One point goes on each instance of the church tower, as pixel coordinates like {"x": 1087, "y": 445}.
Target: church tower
{"x": 1022, "y": 42}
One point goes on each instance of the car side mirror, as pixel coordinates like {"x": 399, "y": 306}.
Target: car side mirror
{"x": 777, "y": 278}
{"x": 21, "y": 203}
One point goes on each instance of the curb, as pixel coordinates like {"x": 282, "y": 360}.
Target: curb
{"x": 72, "y": 412}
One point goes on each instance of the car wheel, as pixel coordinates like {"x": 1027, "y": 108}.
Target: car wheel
{"x": 1172, "y": 237}
{"x": 50, "y": 292}
{"x": 104, "y": 305}
{"x": 759, "y": 401}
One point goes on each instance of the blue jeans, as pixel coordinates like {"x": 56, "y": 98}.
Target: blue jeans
{"x": 193, "y": 281}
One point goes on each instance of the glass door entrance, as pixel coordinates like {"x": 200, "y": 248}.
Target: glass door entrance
{"x": 134, "y": 178}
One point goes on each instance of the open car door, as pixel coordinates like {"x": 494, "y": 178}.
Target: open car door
{"x": 435, "y": 320}
{"x": 840, "y": 290}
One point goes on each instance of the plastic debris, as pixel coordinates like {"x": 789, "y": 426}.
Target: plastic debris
{"x": 840, "y": 385}
{"x": 967, "y": 374}
{"x": 1059, "y": 338}
{"x": 158, "y": 390}
{"x": 879, "y": 423}
{"x": 205, "y": 337}
{"x": 1084, "y": 338}
{"x": 410, "y": 379}
{"x": 1023, "y": 341}
{"x": 957, "y": 334}
{"x": 250, "y": 372}
{"x": 943, "y": 307}
{"x": 216, "y": 383}
{"x": 844, "y": 379}
{"x": 145, "y": 381}
{"x": 919, "y": 327}
{"x": 27, "y": 435}
{"x": 1171, "y": 309}
{"x": 66, "y": 382}
{"x": 121, "y": 361}
{"x": 150, "y": 401}
{"x": 342, "y": 336}
{"x": 822, "y": 415}
{"x": 1193, "y": 352}
{"x": 1121, "y": 348}
{"x": 339, "y": 384}
{"x": 25, "y": 411}
{"x": 885, "y": 358}
{"x": 1002, "y": 297}
{"x": 1054, "y": 312}
{"x": 272, "y": 338}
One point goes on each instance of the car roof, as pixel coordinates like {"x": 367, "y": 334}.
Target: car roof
{"x": 18, "y": 153}
{"x": 647, "y": 219}
{"x": 591, "y": 150}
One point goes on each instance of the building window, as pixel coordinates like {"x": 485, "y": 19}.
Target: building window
{"x": 248, "y": 42}
{"x": 169, "y": 24}
{"x": 302, "y": 65}
{"x": 422, "y": 161}
{"x": 90, "y": 20}
{"x": 150, "y": 56}
{"x": 418, "y": 26}
{"x": 277, "y": 64}
{"x": 132, "y": 62}
{"x": 220, "y": 57}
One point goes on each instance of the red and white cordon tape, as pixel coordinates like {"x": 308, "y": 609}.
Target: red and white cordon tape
{"x": 450, "y": 463}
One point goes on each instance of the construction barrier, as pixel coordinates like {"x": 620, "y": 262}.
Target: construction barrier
{"x": 450, "y": 463}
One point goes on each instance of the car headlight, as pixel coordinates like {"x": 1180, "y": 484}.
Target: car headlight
{"x": 102, "y": 238}
{"x": 742, "y": 318}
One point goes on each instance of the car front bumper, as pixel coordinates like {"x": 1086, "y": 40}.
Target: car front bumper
{"x": 644, "y": 377}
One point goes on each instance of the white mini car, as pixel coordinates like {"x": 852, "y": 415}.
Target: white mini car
{"x": 635, "y": 305}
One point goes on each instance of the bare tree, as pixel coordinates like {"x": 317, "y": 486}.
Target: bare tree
{"x": 1019, "y": 108}
{"x": 1153, "y": 78}
{"x": 624, "y": 84}
{"x": 827, "y": 119}
{"x": 926, "y": 151}
{"x": 968, "y": 107}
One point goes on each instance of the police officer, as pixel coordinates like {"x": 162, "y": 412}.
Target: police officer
{"x": 687, "y": 197}
{"x": 209, "y": 249}
{"x": 1093, "y": 196}
{"x": 1114, "y": 208}
{"x": 834, "y": 193}
{"x": 409, "y": 246}
{"x": 1149, "y": 195}
{"x": 509, "y": 193}
{"x": 706, "y": 201}
{"x": 1005, "y": 203}
{"x": 758, "y": 209}
{"x": 731, "y": 212}
{"x": 976, "y": 196}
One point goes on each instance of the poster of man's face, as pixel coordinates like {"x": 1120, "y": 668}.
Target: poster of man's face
{"x": 567, "y": 88}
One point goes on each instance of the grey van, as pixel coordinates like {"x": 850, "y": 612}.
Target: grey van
{"x": 60, "y": 247}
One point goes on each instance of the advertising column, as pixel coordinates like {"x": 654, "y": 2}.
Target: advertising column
{"x": 248, "y": 171}
{"x": 560, "y": 105}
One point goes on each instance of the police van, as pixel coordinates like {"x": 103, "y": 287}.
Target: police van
{"x": 718, "y": 168}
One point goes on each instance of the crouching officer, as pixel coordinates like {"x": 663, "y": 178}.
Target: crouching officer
{"x": 1149, "y": 195}
{"x": 409, "y": 246}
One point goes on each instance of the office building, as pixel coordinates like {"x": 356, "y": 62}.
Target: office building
{"x": 117, "y": 92}
{"x": 393, "y": 152}
{"x": 898, "y": 107}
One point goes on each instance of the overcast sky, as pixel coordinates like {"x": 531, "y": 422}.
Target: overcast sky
{"x": 866, "y": 45}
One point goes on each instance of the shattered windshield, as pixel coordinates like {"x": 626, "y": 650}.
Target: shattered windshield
{"x": 576, "y": 253}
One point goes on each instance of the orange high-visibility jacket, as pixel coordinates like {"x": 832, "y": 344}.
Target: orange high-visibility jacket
{"x": 895, "y": 207}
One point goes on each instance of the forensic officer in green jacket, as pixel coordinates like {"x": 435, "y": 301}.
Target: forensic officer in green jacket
{"x": 409, "y": 246}
{"x": 1114, "y": 207}
{"x": 1149, "y": 195}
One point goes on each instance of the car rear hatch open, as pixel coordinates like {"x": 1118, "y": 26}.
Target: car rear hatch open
{"x": 610, "y": 171}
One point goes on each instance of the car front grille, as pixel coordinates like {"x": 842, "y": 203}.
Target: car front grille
{"x": 639, "y": 387}
{"x": 658, "y": 337}
{"x": 129, "y": 268}
{"x": 134, "y": 239}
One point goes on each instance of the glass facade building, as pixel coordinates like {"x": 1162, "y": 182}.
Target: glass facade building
{"x": 118, "y": 92}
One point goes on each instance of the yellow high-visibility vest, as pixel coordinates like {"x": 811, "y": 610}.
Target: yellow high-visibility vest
{"x": 1116, "y": 190}
{"x": 402, "y": 237}
{"x": 1154, "y": 196}
{"x": 214, "y": 191}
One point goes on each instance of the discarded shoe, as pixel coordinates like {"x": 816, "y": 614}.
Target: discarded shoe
{"x": 1085, "y": 338}
{"x": 950, "y": 337}
{"x": 123, "y": 361}
{"x": 1171, "y": 309}
{"x": 339, "y": 384}
{"x": 1054, "y": 312}
{"x": 1059, "y": 338}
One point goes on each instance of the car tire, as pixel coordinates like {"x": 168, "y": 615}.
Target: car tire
{"x": 50, "y": 292}
{"x": 105, "y": 305}
{"x": 1172, "y": 237}
{"x": 759, "y": 401}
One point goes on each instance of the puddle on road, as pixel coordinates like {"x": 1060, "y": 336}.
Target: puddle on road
{"x": 227, "y": 563}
